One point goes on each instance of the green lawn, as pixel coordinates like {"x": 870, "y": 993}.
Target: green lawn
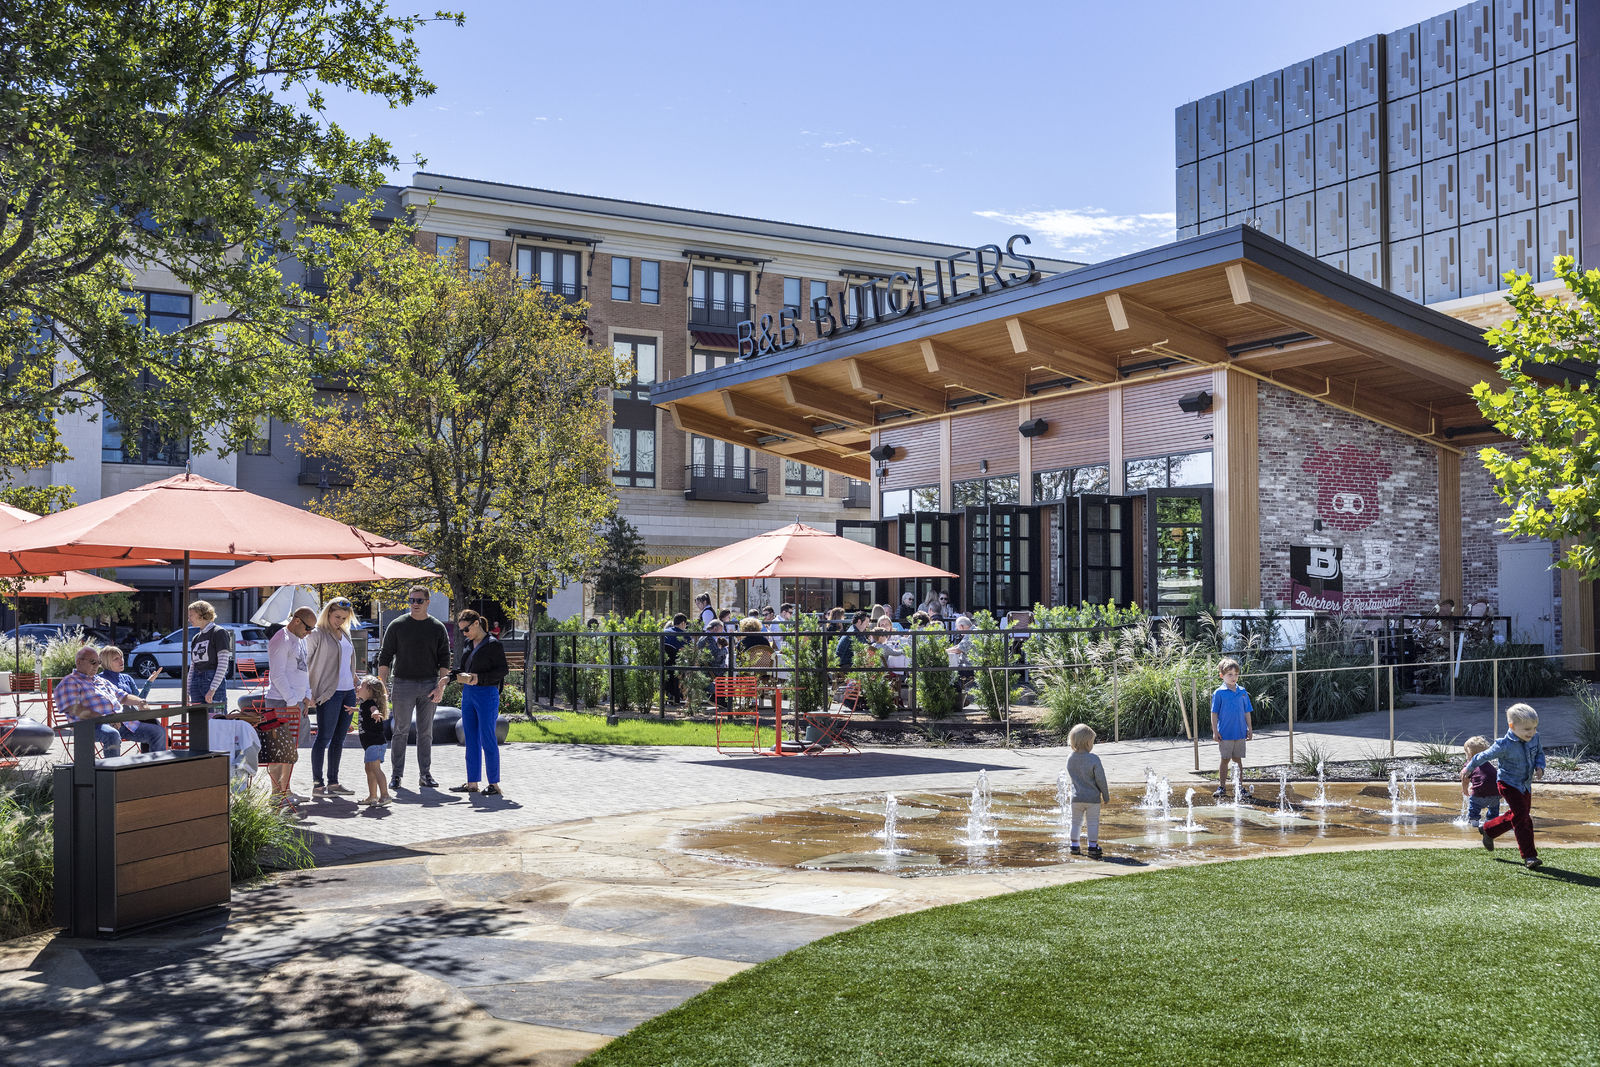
{"x": 578, "y": 728}
{"x": 1402, "y": 957}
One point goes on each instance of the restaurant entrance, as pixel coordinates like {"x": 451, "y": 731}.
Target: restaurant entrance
{"x": 1098, "y": 544}
{"x": 1178, "y": 540}
{"x": 1004, "y": 559}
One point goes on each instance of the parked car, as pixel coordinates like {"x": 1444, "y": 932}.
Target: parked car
{"x": 47, "y": 631}
{"x": 249, "y": 642}
{"x": 374, "y": 638}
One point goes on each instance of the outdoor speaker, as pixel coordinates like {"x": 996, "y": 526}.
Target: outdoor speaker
{"x": 1196, "y": 401}
{"x": 1033, "y": 428}
{"x": 882, "y": 453}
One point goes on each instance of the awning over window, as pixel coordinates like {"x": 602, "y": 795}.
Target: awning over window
{"x": 714, "y": 339}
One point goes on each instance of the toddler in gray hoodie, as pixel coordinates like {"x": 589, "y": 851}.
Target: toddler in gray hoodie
{"x": 1089, "y": 789}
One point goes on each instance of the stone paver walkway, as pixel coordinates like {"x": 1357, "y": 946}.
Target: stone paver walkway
{"x": 530, "y": 929}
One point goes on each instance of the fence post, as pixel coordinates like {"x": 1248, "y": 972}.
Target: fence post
{"x": 1294, "y": 689}
{"x": 661, "y": 679}
{"x": 1005, "y": 680}
{"x": 572, "y": 690}
{"x": 1494, "y": 716}
{"x": 1116, "y": 706}
{"x": 611, "y": 669}
{"x": 1194, "y": 704}
{"x": 1376, "y": 695}
{"x": 1391, "y": 710}
{"x": 916, "y": 672}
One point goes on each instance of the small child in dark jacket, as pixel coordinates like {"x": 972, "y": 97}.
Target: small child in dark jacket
{"x": 375, "y": 730}
{"x": 1482, "y": 789}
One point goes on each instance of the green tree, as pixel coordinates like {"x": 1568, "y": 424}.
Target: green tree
{"x": 617, "y": 574}
{"x": 1551, "y": 478}
{"x": 187, "y": 136}
{"x": 479, "y": 432}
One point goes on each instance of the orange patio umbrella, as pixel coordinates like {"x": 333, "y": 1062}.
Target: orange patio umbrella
{"x": 197, "y": 518}
{"x": 316, "y": 572}
{"x": 62, "y": 587}
{"x": 799, "y": 551}
{"x": 17, "y": 564}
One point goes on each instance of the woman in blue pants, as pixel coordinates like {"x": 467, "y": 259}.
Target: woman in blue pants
{"x": 483, "y": 670}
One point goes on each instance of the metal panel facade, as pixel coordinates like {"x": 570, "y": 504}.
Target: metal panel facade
{"x": 1430, "y": 159}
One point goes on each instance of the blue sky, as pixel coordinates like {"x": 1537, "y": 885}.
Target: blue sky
{"x": 958, "y": 122}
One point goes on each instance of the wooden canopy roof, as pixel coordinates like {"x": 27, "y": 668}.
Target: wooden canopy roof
{"x": 1234, "y": 298}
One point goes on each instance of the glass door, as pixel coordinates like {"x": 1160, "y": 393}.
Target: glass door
{"x": 863, "y": 594}
{"x": 1004, "y": 558}
{"x": 930, "y": 537}
{"x": 1178, "y": 538}
{"x": 1097, "y": 551}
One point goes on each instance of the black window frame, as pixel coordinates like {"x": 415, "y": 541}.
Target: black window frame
{"x": 626, "y": 263}
{"x": 478, "y": 253}
{"x": 444, "y": 251}
{"x": 791, "y": 301}
{"x": 1077, "y": 481}
{"x": 561, "y": 284}
{"x": 632, "y": 414}
{"x": 152, "y": 448}
{"x": 805, "y": 483}
{"x": 704, "y": 307}
{"x": 649, "y": 294}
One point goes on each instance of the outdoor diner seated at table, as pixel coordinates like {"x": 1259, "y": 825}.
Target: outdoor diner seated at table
{"x": 85, "y": 694}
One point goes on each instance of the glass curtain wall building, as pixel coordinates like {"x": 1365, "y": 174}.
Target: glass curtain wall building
{"x": 1429, "y": 160}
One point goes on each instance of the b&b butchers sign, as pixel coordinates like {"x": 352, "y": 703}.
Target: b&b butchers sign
{"x": 895, "y": 297}
{"x": 1316, "y": 579}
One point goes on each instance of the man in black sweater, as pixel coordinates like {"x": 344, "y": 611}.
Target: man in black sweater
{"x": 416, "y": 649}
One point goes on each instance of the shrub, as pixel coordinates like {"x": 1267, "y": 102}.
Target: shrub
{"x": 991, "y": 656}
{"x": 1519, "y": 678}
{"x": 20, "y": 656}
{"x": 60, "y": 653}
{"x": 261, "y": 837}
{"x": 1587, "y": 724}
{"x": 879, "y": 694}
{"x": 1441, "y": 750}
{"x": 1310, "y": 753}
{"x": 27, "y": 852}
{"x": 807, "y": 657}
{"x": 938, "y": 689}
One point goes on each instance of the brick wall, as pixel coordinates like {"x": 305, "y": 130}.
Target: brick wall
{"x": 1376, "y": 492}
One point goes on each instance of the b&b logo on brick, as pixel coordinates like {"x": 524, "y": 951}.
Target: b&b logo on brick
{"x": 1347, "y": 485}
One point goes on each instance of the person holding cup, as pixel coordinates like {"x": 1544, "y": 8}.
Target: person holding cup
{"x": 483, "y": 670}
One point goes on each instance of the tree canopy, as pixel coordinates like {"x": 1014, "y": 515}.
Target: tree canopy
{"x": 187, "y": 137}
{"x": 478, "y": 429}
{"x": 1550, "y": 478}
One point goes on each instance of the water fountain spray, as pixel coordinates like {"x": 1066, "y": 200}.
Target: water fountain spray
{"x": 1064, "y": 794}
{"x": 1148, "y": 802}
{"x": 1238, "y": 788}
{"x": 1189, "y": 825}
{"x": 980, "y": 819}
{"x": 1464, "y": 820}
{"x": 1164, "y": 794}
{"x": 1394, "y": 795}
{"x": 1285, "y": 809}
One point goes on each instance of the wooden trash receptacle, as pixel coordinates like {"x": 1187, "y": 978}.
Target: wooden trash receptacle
{"x": 140, "y": 840}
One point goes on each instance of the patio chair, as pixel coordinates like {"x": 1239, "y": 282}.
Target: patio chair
{"x": 737, "y": 701}
{"x": 58, "y": 721}
{"x": 253, "y": 677}
{"x": 827, "y": 729}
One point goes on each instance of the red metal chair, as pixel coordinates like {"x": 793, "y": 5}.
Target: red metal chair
{"x": 736, "y": 700}
{"x": 254, "y": 678}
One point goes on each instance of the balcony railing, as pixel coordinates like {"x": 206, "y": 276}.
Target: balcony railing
{"x": 324, "y": 473}
{"x": 146, "y": 445}
{"x": 704, "y": 312}
{"x": 736, "y": 484}
{"x": 858, "y": 495}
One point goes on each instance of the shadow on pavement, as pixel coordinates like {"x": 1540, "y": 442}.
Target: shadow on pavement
{"x": 866, "y": 765}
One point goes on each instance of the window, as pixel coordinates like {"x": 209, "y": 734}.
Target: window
{"x": 477, "y": 255}
{"x": 144, "y": 443}
{"x": 260, "y": 443}
{"x": 1169, "y": 472}
{"x": 556, "y": 272}
{"x": 1070, "y": 481}
{"x": 1004, "y": 489}
{"x": 720, "y": 297}
{"x": 801, "y": 479}
{"x": 905, "y": 501}
{"x": 649, "y": 281}
{"x": 791, "y": 294}
{"x": 621, "y": 278}
{"x": 818, "y": 291}
{"x": 709, "y": 458}
{"x": 446, "y": 247}
{"x": 633, "y": 417}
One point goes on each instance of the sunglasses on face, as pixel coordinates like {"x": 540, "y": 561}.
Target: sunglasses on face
{"x": 416, "y": 600}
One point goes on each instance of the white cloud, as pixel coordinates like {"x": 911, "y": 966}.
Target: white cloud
{"x": 851, "y": 143}
{"x": 1092, "y": 233}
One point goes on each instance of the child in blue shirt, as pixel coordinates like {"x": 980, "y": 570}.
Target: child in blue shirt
{"x": 1521, "y": 762}
{"x": 1230, "y": 721}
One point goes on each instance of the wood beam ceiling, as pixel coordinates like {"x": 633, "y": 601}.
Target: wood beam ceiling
{"x": 1051, "y": 351}
{"x": 972, "y": 373}
{"x": 851, "y": 462}
{"x": 893, "y": 389}
{"x": 1281, "y": 301}
{"x": 760, "y": 415}
{"x": 1160, "y": 329}
{"x": 1400, "y": 414}
{"x": 827, "y": 402}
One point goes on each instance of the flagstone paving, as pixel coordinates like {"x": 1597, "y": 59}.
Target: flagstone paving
{"x": 531, "y": 929}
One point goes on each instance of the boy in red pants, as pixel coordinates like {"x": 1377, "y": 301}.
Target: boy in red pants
{"x": 1520, "y": 759}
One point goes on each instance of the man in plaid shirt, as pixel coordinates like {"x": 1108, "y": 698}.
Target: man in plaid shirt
{"x": 84, "y": 694}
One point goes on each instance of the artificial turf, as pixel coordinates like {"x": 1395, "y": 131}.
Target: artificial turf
{"x": 1371, "y": 957}
{"x": 581, "y": 728}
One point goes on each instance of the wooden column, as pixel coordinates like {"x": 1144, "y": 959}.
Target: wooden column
{"x": 1236, "y": 490}
{"x": 1114, "y": 440}
{"x": 945, "y": 495}
{"x": 1577, "y": 620}
{"x": 1450, "y": 527}
{"x": 1024, "y": 456}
